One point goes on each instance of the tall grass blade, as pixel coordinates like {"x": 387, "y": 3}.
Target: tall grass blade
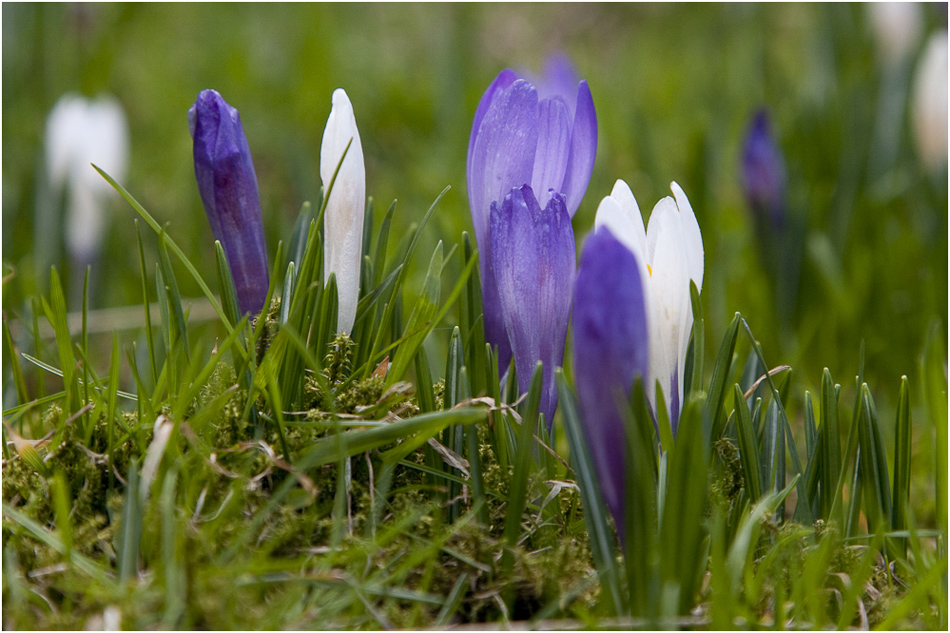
{"x": 145, "y": 302}
{"x": 902, "y": 456}
{"x": 714, "y": 418}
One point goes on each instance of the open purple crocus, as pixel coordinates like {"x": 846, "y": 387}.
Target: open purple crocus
{"x": 520, "y": 138}
{"x": 228, "y": 187}
{"x": 611, "y": 348}
{"x": 533, "y": 258}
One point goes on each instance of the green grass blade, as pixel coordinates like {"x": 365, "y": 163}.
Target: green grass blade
{"x": 174, "y": 296}
{"x": 23, "y": 395}
{"x": 127, "y": 550}
{"x": 748, "y": 449}
{"x": 524, "y": 463}
{"x": 229, "y": 302}
{"x": 694, "y": 375}
{"x": 145, "y": 302}
{"x": 421, "y": 320}
{"x": 873, "y": 469}
{"x": 714, "y": 418}
{"x": 56, "y": 315}
{"x": 683, "y": 525}
{"x": 829, "y": 441}
{"x": 902, "y": 456}
{"x": 171, "y": 244}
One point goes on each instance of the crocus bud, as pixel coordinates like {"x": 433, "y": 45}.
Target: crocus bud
{"x": 80, "y": 131}
{"x": 534, "y": 264}
{"x": 763, "y": 172}
{"x": 228, "y": 187}
{"x": 611, "y": 348}
{"x": 346, "y": 206}
{"x": 897, "y": 27}
{"x": 930, "y": 103}
{"x": 520, "y": 139}
{"x": 670, "y": 253}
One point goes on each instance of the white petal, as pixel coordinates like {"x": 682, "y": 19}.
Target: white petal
{"x": 64, "y": 122}
{"x": 85, "y": 220}
{"x": 669, "y": 291}
{"x": 622, "y": 194}
{"x": 897, "y": 27}
{"x": 80, "y": 132}
{"x": 930, "y": 102}
{"x": 345, "y": 206}
{"x": 106, "y": 140}
{"x": 692, "y": 236}
{"x": 611, "y": 215}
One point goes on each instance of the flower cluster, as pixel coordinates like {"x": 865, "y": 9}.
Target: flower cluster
{"x": 531, "y": 154}
{"x": 530, "y": 159}
{"x": 228, "y": 186}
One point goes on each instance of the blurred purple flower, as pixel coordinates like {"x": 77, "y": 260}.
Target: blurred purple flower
{"x": 534, "y": 261}
{"x": 520, "y": 137}
{"x": 763, "y": 172}
{"x": 611, "y": 348}
{"x": 228, "y": 187}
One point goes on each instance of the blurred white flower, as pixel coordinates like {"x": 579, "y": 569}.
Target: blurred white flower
{"x": 81, "y": 131}
{"x": 897, "y": 27}
{"x": 929, "y": 102}
{"x": 346, "y": 206}
{"x": 670, "y": 254}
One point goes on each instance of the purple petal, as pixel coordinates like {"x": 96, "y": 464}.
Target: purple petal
{"x": 554, "y": 147}
{"x": 502, "y": 157}
{"x": 580, "y": 166}
{"x": 504, "y": 79}
{"x": 610, "y": 349}
{"x": 533, "y": 259}
{"x": 559, "y": 80}
{"x": 503, "y": 151}
{"x": 495, "y": 332}
{"x": 228, "y": 186}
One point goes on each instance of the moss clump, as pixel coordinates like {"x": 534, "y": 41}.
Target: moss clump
{"x": 727, "y": 481}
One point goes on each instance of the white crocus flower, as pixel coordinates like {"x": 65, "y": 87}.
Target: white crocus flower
{"x": 930, "y": 102}
{"x": 670, "y": 254}
{"x": 80, "y": 131}
{"x": 897, "y": 27}
{"x": 342, "y": 252}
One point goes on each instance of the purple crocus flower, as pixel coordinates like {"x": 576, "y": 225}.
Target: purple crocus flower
{"x": 520, "y": 137}
{"x": 228, "y": 187}
{"x": 611, "y": 348}
{"x": 533, "y": 258}
{"x": 763, "y": 172}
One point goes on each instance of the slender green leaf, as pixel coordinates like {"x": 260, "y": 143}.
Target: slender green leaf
{"x": 171, "y": 245}
{"x": 714, "y": 418}
{"x": 748, "y": 449}
{"x": 902, "y": 457}
{"x": 229, "y": 302}
{"x": 421, "y": 321}
{"x": 829, "y": 441}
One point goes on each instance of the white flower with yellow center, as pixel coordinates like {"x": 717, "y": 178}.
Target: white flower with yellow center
{"x": 670, "y": 254}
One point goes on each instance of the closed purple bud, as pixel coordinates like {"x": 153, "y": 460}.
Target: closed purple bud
{"x": 534, "y": 262}
{"x": 520, "y": 137}
{"x": 763, "y": 172}
{"x": 611, "y": 348}
{"x": 228, "y": 187}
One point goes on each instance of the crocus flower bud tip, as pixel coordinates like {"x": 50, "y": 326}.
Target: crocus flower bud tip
{"x": 228, "y": 186}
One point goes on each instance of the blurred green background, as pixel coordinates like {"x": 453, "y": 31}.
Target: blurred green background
{"x": 674, "y": 86}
